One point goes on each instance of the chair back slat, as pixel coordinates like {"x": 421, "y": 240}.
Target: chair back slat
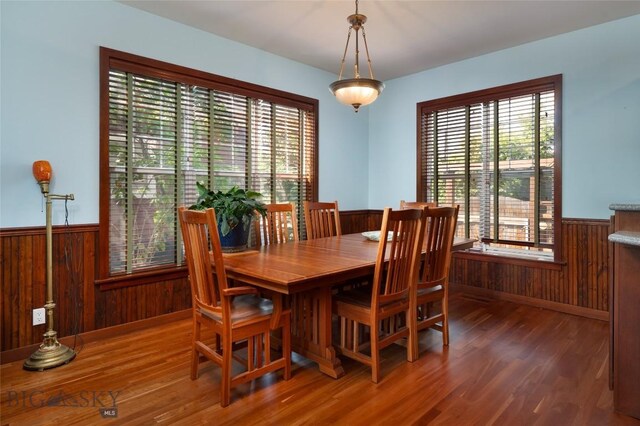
{"x": 415, "y": 204}
{"x": 440, "y": 232}
{"x": 203, "y": 254}
{"x": 322, "y": 219}
{"x": 393, "y": 279}
{"x": 280, "y": 225}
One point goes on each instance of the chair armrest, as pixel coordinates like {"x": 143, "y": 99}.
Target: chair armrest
{"x": 237, "y": 291}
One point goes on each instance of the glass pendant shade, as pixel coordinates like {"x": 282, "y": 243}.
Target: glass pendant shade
{"x": 356, "y": 92}
{"x": 42, "y": 171}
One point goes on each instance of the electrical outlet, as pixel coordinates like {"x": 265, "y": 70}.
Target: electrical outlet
{"x": 38, "y": 316}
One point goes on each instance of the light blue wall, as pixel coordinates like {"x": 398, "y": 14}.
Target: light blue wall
{"x": 50, "y": 92}
{"x": 49, "y": 106}
{"x": 601, "y": 114}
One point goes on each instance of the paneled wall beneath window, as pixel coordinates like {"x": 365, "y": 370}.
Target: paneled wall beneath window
{"x": 579, "y": 286}
{"x": 80, "y": 305}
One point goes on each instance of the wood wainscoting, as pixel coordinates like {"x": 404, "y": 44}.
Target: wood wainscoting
{"x": 578, "y": 286}
{"x": 80, "y": 305}
{"x": 83, "y": 306}
{"x": 353, "y": 221}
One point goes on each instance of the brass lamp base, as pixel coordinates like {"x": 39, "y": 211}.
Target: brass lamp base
{"x": 49, "y": 356}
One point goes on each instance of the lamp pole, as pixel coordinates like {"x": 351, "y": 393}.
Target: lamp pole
{"x": 51, "y": 353}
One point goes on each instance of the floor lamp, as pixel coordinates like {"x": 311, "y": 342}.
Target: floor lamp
{"x": 51, "y": 353}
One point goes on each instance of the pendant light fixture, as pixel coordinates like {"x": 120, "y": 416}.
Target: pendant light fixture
{"x": 356, "y": 91}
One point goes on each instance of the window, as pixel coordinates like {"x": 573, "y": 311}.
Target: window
{"x": 496, "y": 153}
{"x": 164, "y": 127}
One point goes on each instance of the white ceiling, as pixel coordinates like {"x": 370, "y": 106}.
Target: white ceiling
{"x": 404, "y": 37}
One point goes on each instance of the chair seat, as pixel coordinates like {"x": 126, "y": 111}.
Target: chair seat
{"x": 245, "y": 308}
{"x": 429, "y": 292}
{"x": 356, "y": 296}
{"x": 361, "y": 297}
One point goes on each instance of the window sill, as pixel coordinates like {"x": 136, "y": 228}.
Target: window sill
{"x": 475, "y": 254}
{"x": 141, "y": 278}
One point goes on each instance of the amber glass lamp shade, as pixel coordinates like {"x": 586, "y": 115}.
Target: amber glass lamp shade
{"x": 42, "y": 171}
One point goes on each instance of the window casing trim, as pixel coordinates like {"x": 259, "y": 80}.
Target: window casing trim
{"x": 554, "y": 83}
{"x": 151, "y": 67}
{"x": 114, "y": 59}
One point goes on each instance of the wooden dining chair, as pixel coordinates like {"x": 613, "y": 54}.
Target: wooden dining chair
{"x": 415, "y": 204}
{"x": 280, "y": 225}
{"x": 233, "y": 313}
{"x": 388, "y": 299}
{"x": 433, "y": 285}
{"x": 321, "y": 219}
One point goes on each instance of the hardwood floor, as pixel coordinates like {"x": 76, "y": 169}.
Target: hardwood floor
{"x": 507, "y": 364}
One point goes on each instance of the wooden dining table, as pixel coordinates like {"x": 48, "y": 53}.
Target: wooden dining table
{"x": 306, "y": 271}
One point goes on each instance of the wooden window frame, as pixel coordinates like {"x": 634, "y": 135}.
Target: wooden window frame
{"x": 528, "y": 87}
{"x": 114, "y": 59}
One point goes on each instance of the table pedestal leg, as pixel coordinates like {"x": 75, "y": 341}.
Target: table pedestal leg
{"x": 311, "y": 329}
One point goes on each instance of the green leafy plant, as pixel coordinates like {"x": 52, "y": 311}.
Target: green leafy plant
{"x": 232, "y": 207}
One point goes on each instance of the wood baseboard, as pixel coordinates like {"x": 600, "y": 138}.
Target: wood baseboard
{"x": 546, "y": 304}
{"x": 94, "y": 335}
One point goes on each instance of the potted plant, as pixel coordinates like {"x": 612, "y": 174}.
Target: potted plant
{"x": 234, "y": 211}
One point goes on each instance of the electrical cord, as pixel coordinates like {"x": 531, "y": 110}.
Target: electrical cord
{"x": 72, "y": 274}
